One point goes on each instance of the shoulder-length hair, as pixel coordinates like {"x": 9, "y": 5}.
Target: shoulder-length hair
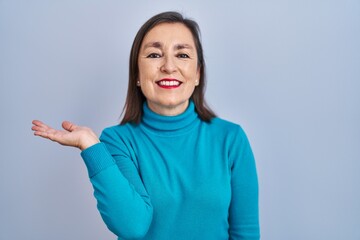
{"x": 133, "y": 109}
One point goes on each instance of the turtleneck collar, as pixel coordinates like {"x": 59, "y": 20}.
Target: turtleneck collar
{"x": 170, "y": 124}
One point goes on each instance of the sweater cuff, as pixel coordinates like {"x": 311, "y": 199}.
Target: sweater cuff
{"x": 97, "y": 158}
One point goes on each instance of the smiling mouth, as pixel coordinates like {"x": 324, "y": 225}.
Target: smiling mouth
{"x": 168, "y": 83}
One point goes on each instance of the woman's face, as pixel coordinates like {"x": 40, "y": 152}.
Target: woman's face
{"x": 168, "y": 71}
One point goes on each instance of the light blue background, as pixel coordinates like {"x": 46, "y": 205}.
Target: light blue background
{"x": 287, "y": 71}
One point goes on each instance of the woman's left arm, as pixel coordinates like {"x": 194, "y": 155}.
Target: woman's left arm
{"x": 244, "y": 207}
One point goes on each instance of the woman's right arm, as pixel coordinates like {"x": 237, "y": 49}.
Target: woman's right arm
{"x": 121, "y": 197}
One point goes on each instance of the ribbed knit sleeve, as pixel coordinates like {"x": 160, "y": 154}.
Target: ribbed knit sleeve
{"x": 97, "y": 158}
{"x": 243, "y": 213}
{"x": 121, "y": 198}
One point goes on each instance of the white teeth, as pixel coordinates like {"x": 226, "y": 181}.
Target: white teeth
{"x": 169, "y": 83}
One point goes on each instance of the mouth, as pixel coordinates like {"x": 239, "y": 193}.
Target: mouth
{"x": 168, "y": 83}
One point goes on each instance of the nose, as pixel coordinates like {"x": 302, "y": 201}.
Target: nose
{"x": 169, "y": 65}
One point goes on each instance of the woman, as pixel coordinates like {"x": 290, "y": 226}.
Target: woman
{"x": 171, "y": 169}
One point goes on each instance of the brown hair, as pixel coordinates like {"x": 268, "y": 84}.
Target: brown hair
{"x": 134, "y": 100}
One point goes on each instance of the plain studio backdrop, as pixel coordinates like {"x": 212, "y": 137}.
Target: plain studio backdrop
{"x": 287, "y": 71}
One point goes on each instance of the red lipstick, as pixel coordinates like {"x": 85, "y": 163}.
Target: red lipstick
{"x": 168, "y": 83}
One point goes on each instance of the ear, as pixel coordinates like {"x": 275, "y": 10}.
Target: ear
{"x": 197, "y": 77}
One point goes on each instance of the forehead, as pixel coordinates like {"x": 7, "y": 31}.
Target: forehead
{"x": 169, "y": 33}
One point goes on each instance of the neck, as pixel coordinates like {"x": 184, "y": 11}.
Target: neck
{"x": 169, "y": 125}
{"x": 168, "y": 110}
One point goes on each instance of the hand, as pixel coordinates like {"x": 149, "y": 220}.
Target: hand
{"x": 72, "y": 135}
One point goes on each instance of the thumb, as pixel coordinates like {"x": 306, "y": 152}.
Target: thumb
{"x": 69, "y": 126}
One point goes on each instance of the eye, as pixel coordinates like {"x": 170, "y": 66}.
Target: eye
{"x": 153, "y": 55}
{"x": 183, "y": 55}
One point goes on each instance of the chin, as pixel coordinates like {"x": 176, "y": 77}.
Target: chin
{"x": 174, "y": 103}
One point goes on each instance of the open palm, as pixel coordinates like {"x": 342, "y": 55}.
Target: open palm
{"x": 72, "y": 135}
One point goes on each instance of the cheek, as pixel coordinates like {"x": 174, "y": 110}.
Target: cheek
{"x": 191, "y": 70}
{"x": 146, "y": 71}
{"x": 141, "y": 71}
{"x": 192, "y": 74}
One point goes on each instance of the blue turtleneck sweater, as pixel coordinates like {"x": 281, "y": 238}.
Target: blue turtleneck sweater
{"x": 175, "y": 178}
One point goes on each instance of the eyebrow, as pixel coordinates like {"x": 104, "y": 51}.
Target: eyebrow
{"x": 159, "y": 45}
{"x": 153, "y": 44}
{"x": 183, "y": 46}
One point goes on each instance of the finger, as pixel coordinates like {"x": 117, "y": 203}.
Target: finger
{"x": 69, "y": 126}
{"x": 40, "y": 124}
{"x": 37, "y": 128}
{"x": 42, "y": 134}
{"x": 36, "y": 122}
{"x": 42, "y": 128}
{"x": 48, "y": 135}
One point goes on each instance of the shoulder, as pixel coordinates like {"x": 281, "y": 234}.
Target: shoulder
{"x": 118, "y": 138}
{"x": 227, "y": 127}
{"x": 117, "y": 132}
{"x": 222, "y": 123}
{"x": 231, "y": 137}
{"x": 231, "y": 134}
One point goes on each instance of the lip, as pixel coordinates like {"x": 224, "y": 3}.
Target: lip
{"x": 168, "y": 82}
